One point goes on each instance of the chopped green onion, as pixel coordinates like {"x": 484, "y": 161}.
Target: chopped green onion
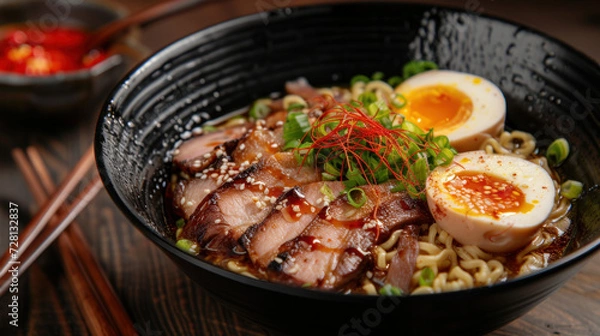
{"x": 209, "y": 129}
{"x": 421, "y": 169}
{"x": 557, "y": 152}
{"x": 398, "y": 100}
{"x": 416, "y": 67}
{"x": 444, "y": 157}
{"x": 295, "y": 127}
{"x": 327, "y": 192}
{"x": 306, "y": 285}
{"x": 359, "y": 78}
{"x": 178, "y": 232}
{"x": 395, "y": 81}
{"x": 296, "y": 106}
{"x": 413, "y": 128}
{"x": 331, "y": 169}
{"x": 426, "y": 277}
{"x": 377, "y": 76}
{"x": 356, "y": 197}
{"x": 259, "y": 110}
{"x": 180, "y": 223}
{"x": 367, "y": 98}
{"x": 390, "y": 290}
{"x": 571, "y": 189}
{"x": 187, "y": 246}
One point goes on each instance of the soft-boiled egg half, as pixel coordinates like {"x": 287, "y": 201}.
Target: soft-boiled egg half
{"x": 466, "y": 108}
{"x": 496, "y": 202}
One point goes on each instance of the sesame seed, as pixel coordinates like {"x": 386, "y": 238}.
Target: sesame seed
{"x": 206, "y": 191}
{"x": 182, "y": 201}
{"x": 242, "y": 147}
{"x": 274, "y": 145}
{"x": 217, "y": 221}
{"x": 189, "y": 203}
{"x": 207, "y": 155}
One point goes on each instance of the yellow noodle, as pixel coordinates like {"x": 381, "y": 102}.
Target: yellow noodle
{"x": 369, "y": 288}
{"x": 293, "y": 99}
{"x": 357, "y": 89}
{"x": 380, "y": 258}
{"x": 391, "y": 242}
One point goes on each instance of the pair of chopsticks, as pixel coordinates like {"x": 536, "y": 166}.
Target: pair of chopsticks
{"x": 100, "y": 306}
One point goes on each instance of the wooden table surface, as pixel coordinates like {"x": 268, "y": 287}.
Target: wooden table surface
{"x": 160, "y": 299}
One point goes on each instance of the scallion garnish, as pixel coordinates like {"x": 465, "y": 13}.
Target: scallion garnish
{"x": 187, "y": 246}
{"x": 259, "y": 110}
{"x": 377, "y": 76}
{"x": 294, "y": 129}
{"x": 359, "y": 78}
{"x": 390, "y": 290}
{"x": 571, "y": 189}
{"x": 327, "y": 192}
{"x": 416, "y": 67}
{"x": 356, "y": 197}
{"x": 398, "y": 100}
{"x": 395, "y": 81}
{"x": 557, "y": 152}
{"x": 295, "y": 106}
{"x": 426, "y": 277}
{"x": 180, "y": 223}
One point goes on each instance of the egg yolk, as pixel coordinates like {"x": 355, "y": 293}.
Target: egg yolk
{"x": 485, "y": 194}
{"x": 441, "y": 107}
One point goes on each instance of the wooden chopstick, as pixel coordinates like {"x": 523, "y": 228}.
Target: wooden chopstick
{"x": 75, "y": 252}
{"x": 100, "y": 305}
{"x": 39, "y": 221}
{"x": 43, "y": 238}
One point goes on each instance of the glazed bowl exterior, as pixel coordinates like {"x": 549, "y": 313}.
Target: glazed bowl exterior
{"x": 549, "y": 87}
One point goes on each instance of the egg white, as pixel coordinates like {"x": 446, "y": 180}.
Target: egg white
{"x": 504, "y": 233}
{"x": 489, "y": 106}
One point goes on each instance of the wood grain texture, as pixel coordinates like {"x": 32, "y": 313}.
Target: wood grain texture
{"x": 160, "y": 299}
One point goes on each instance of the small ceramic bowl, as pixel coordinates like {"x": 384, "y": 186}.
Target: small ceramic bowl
{"x": 71, "y": 94}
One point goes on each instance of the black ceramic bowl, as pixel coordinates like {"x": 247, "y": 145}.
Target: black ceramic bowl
{"x": 69, "y": 94}
{"x": 547, "y": 84}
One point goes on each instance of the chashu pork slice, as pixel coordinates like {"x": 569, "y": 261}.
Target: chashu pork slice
{"x": 197, "y": 153}
{"x": 225, "y": 214}
{"x": 335, "y": 247}
{"x": 292, "y": 213}
{"x": 403, "y": 263}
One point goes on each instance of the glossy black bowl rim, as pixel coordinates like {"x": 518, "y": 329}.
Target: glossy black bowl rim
{"x": 15, "y": 79}
{"x": 172, "y": 50}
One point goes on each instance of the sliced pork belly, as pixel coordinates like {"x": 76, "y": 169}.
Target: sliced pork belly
{"x": 335, "y": 247}
{"x": 302, "y": 88}
{"x": 339, "y": 231}
{"x": 189, "y": 193}
{"x": 292, "y": 213}
{"x": 400, "y": 211}
{"x": 224, "y": 215}
{"x": 199, "y": 152}
{"x": 258, "y": 143}
{"x": 402, "y": 265}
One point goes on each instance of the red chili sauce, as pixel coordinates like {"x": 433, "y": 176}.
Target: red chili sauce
{"x": 35, "y": 52}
